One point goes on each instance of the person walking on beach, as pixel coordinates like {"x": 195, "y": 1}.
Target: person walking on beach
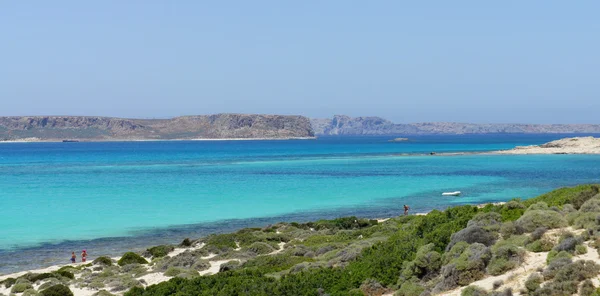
{"x": 73, "y": 257}
{"x": 406, "y": 208}
{"x": 83, "y": 255}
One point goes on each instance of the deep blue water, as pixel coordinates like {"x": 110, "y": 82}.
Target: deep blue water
{"x": 111, "y": 197}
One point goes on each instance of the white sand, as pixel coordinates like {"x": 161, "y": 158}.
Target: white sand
{"x": 577, "y": 145}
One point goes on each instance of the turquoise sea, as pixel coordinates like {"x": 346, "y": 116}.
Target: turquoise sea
{"x": 110, "y": 197}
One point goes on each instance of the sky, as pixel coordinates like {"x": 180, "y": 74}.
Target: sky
{"x": 406, "y": 61}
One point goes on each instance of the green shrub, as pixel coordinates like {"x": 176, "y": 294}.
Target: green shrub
{"x": 173, "y": 271}
{"x": 591, "y": 205}
{"x": 8, "y": 282}
{"x": 159, "y": 251}
{"x": 533, "y": 282}
{"x": 57, "y": 290}
{"x": 103, "y": 293}
{"x": 21, "y": 287}
{"x": 577, "y": 271}
{"x": 489, "y": 221}
{"x": 472, "y": 234}
{"x": 587, "y": 288}
{"x": 538, "y": 206}
{"x": 552, "y": 269}
{"x": 65, "y": 273}
{"x": 467, "y": 268}
{"x": 186, "y": 260}
{"x": 130, "y": 258}
{"x": 542, "y": 245}
{"x": 538, "y": 218}
{"x": 103, "y": 260}
{"x": 410, "y": 289}
{"x": 506, "y": 256}
{"x": 510, "y": 228}
{"x": 30, "y": 292}
{"x": 552, "y": 255}
{"x": 34, "y": 277}
{"x": 580, "y": 249}
{"x": 473, "y": 291}
{"x": 260, "y": 248}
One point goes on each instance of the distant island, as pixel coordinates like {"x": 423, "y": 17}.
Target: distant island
{"x": 91, "y": 128}
{"x": 246, "y": 126}
{"x": 346, "y": 125}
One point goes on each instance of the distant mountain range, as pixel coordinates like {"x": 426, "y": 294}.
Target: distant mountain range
{"x": 219, "y": 126}
{"x": 345, "y": 125}
{"x": 229, "y": 126}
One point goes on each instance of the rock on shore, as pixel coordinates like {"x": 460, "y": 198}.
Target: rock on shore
{"x": 577, "y": 145}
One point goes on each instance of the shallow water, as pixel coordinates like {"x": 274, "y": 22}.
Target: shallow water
{"x": 111, "y": 197}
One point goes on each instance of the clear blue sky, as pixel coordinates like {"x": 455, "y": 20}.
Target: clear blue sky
{"x": 408, "y": 61}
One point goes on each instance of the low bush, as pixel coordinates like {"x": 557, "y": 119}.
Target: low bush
{"x": 130, "y": 258}
{"x": 473, "y": 234}
{"x": 557, "y": 288}
{"x": 538, "y": 233}
{"x": 103, "y": 293}
{"x": 489, "y": 221}
{"x": 34, "y": 277}
{"x": 410, "y": 289}
{"x": 505, "y": 256}
{"x": 554, "y": 266}
{"x": 577, "y": 271}
{"x": 542, "y": 245}
{"x": 533, "y": 282}
{"x": 103, "y": 260}
{"x": 159, "y": 251}
{"x": 587, "y": 288}
{"x": 260, "y": 248}
{"x": 230, "y": 265}
{"x": 538, "y": 206}
{"x": 21, "y": 287}
{"x": 497, "y": 284}
{"x": 64, "y": 273}
{"x": 533, "y": 219}
{"x": 57, "y": 290}
{"x": 373, "y": 287}
{"x": 580, "y": 249}
{"x": 567, "y": 244}
{"x": 186, "y": 260}
{"x": 591, "y": 205}
{"x": 467, "y": 268}
{"x": 473, "y": 291}
{"x": 510, "y": 228}
{"x": 8, "y": 282}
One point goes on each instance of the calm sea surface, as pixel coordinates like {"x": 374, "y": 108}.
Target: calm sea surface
{"x": 117, "y": 196}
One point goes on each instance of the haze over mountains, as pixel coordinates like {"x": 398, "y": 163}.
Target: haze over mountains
{"x": 345, "y": 125}
{"x": 229, "y": 126}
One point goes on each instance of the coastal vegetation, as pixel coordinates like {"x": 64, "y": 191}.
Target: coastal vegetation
{"x": 551, "y": 242}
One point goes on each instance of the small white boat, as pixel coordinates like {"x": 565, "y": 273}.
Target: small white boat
{"x": 455, "y": 193}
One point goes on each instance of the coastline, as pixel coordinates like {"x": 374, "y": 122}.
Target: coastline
{"x": 55, "y": 267}
{"x": 37, "y": 140}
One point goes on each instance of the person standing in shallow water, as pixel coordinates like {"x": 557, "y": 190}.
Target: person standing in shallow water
{"x": 83, "y": 255}
{"x": 406, "y": 208}
{"x": 73, "y": 257}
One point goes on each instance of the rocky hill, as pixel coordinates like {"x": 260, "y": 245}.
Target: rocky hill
{"x": 219, "y": 126}
{"x": 345, "y": 125}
